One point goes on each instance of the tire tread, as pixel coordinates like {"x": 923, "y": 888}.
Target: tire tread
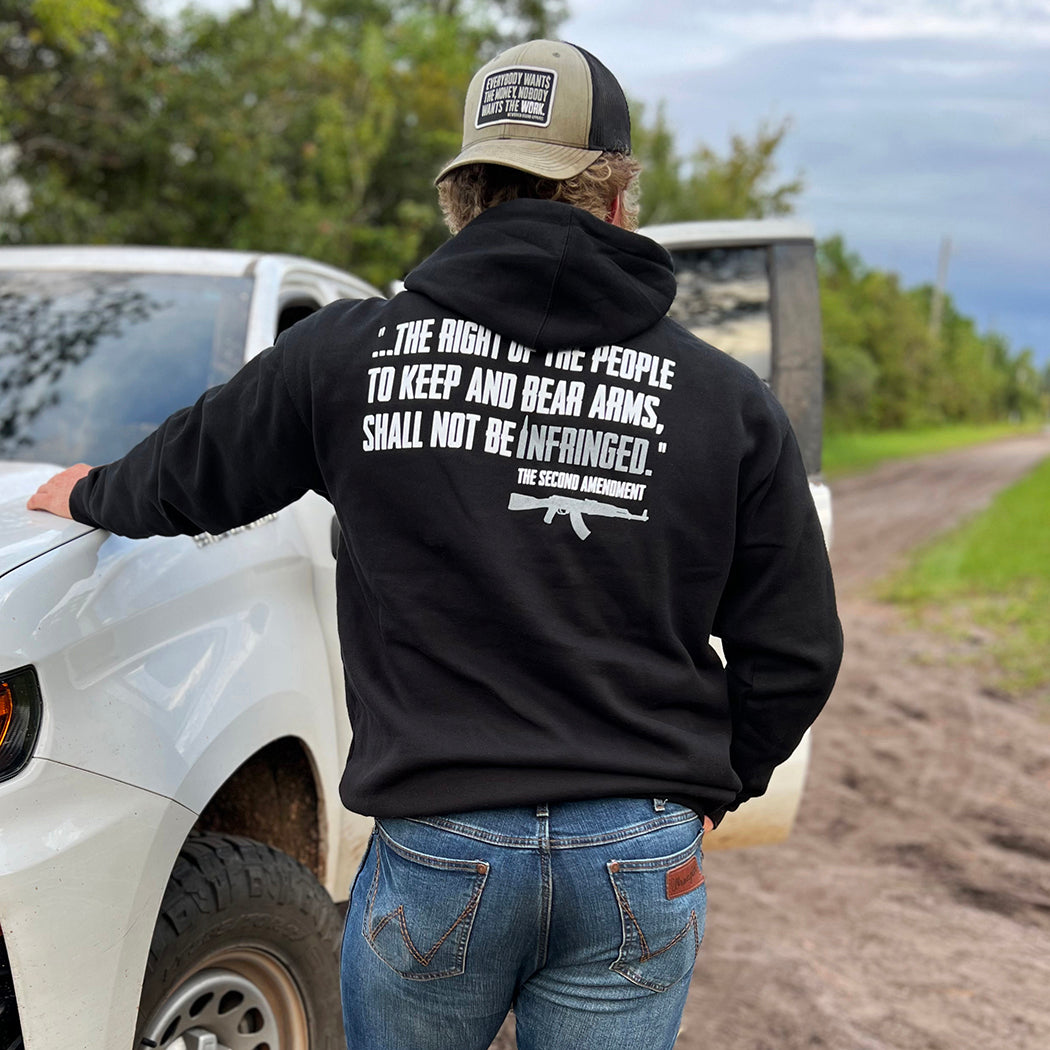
{"x": 223, "y": 879}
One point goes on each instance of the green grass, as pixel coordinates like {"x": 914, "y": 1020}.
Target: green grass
{"x": 850, "y": 453}
{"x": 993, "y": 573}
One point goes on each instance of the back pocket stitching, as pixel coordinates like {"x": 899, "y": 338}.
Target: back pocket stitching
{"x": 624, "y": 964}
{"x": 372, "y": 932}
{"x": 399, "y": 911}
{"x": 646, "y": 955}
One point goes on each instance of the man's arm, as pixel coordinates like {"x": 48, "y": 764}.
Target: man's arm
{"x": 241, "y": 452}
{"x": 777, "y": 618}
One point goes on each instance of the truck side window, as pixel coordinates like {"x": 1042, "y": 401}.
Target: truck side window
{"x": 723, "y": 298}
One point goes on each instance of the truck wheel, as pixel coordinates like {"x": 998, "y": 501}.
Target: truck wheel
{"x": 245, "y": 954}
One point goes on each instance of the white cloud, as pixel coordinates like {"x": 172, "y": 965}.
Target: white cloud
{"x": 684, "y": 34}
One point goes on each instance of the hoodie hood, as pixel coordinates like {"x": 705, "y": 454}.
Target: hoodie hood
{"x": 550, "y": 276}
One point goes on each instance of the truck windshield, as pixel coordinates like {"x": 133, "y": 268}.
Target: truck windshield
{"x": 723, "y": 298}
{"x": 90, "y": 363}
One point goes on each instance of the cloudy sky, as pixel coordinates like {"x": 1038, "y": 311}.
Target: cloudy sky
{"x": 911, "y": 120}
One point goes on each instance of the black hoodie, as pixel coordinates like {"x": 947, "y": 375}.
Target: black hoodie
{"x": 550, "y": 496}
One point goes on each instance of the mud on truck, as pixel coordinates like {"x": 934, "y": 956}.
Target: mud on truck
{"x": 172, "y": 720}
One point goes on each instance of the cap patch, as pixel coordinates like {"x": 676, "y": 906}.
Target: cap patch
{"x": 517, "y": 95}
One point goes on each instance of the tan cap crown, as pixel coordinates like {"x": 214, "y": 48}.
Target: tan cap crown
{"x": 545, "y": 107}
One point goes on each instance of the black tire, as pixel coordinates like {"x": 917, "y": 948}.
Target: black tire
{"x": 246, "y": 947}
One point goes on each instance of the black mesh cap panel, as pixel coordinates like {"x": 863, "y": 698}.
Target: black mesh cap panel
{"x": 610, "y": 120}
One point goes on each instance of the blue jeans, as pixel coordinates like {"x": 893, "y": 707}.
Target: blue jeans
{"x": 585, "y": 917}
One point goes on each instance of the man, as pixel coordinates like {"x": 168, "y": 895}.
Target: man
{"x": 550, "y": 497}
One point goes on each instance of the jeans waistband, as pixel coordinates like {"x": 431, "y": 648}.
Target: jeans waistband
{"x": 562, "y": 825}
{"x": 659, "y": 805}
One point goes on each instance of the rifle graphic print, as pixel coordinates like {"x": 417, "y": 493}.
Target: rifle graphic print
{"x": 575, "y": 508}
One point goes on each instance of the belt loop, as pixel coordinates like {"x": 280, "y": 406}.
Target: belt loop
{"x": 542, "y": 810}
{"x": 659, "y": 804}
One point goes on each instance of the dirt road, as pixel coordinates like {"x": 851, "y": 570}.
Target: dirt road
{"x": 910, "y": 909}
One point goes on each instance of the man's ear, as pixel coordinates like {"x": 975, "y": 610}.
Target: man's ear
{"x": 615, "y": 211}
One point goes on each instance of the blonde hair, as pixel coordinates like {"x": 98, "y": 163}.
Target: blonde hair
{"x": 464, "y": 193}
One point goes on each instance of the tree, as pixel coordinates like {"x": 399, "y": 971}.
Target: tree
{"x": 65, "y": 24}
{"x": 705, "y": 185}
{"x": 315, "y": 129}
{"x": 72, "y": 104}
{"x": 36, "y": 36}
{"x": 884, "y": 367}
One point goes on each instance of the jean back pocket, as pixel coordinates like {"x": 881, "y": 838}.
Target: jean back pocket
{"x": 663, "y": 906}
{"x": 421, "y": 909}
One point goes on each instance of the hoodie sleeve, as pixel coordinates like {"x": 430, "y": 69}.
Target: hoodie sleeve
{"x": 241, "y": 452}
{"x": 777, "y": 617}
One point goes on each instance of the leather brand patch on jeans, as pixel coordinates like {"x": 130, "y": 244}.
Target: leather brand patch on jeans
{"x": 683, "y": 879}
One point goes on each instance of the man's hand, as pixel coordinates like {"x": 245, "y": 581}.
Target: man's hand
{"x": 53, "y": 495}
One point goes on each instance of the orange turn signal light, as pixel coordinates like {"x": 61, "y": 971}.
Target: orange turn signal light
{"x": 20, "y": 714}
{"x": 7, "y": 710}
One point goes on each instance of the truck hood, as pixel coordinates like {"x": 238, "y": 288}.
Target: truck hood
{"x": 26, "y": 534}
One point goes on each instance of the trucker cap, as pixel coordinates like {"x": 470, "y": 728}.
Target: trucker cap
{"x": 545, "y": 107}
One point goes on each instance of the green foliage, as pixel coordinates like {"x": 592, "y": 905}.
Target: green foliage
{"x": 995, "y": 571}
{"x": 67, "y": 23}
{"x": 63, "y": 24}
{"x": 315, "y": 128}
{"x": 36, "y": 36}
{"x": 705, "y": 185}
{"x": 885, "y": 368}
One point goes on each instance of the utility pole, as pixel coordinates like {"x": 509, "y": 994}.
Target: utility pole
{"x": 937, "y": 303}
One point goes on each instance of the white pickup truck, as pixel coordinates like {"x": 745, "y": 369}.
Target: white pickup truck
{"x": 172, "y": 724}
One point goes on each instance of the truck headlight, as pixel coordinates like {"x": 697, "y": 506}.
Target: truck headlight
{"x": 20, "y": 708}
